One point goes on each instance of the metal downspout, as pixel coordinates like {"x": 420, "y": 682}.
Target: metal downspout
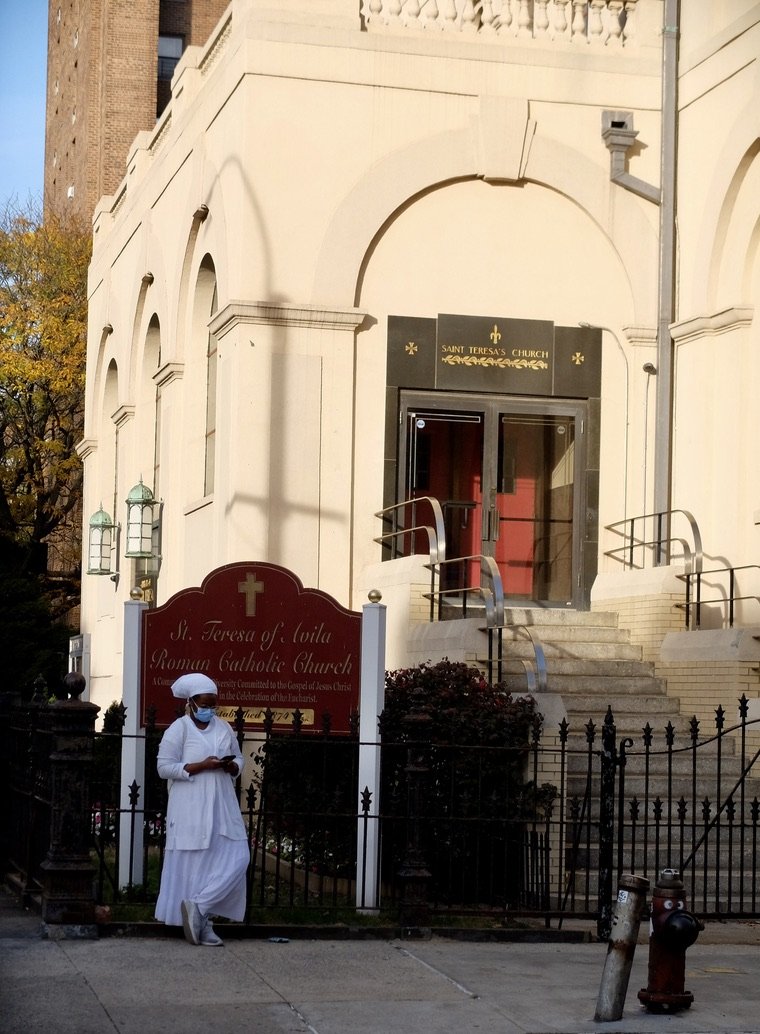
{"x": 666, "y": 302}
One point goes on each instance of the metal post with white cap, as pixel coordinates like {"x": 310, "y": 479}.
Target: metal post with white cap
{"x": 371, "y": 705}
{"x": 131, "y": 833}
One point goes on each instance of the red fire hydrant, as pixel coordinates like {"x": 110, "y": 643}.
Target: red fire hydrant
{"x": 671, "y": 931}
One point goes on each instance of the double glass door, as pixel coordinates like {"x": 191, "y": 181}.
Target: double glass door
{"x": 509, "y": 474}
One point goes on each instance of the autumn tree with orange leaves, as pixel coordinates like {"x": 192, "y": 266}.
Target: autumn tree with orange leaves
{"x": 43, "y": 328}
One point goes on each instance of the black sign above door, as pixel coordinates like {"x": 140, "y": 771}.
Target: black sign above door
{"x": 495, "y": 354}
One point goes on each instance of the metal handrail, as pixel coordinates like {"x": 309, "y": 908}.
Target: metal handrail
{"x": 536, "y": 673}
{"x": 491, "y": 593}
{"x": 436, "y": 534}
{"x": 693, "y": 607}
{"x": 535, "y": 669}
{"x": 660, "y": 545}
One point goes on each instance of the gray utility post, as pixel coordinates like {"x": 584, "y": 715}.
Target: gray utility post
{"x": 131, "y": 833}
{"x": 371, "y": 705}
{"x": 631, "y": 899}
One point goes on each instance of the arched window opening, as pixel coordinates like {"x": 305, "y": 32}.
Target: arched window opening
{"x": 211, "y": 370}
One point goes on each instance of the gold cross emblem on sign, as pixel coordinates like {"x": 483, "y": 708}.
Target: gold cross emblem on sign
{"x": 495, "y": 334}
{"x": 250, "y": 588}
{"x": 578, "y": 358}
{"x": 411, "y": 348}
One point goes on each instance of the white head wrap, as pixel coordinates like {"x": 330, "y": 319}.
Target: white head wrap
{"x": 192, "y": 685}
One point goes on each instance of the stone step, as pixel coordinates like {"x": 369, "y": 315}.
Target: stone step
{"x": 681, "y": 763}
{"x": 643, "y": 705}
{"x": 602, "y": 685}
{"x": 631, "y": 723}
{"x": 522, "y": 647}
{"x": 541, "y": 617}
{"x": 602, "y": 667}
{"x": 565, "y": 632}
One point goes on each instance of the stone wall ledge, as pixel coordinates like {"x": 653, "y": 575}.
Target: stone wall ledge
{"x": 719, "y": 645}
{"x": 634, "y": 583}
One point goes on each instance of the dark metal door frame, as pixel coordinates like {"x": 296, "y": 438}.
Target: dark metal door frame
{"x": 490, "y": 409}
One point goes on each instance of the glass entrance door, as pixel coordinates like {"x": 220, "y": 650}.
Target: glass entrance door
{"x": 509, "y": 475}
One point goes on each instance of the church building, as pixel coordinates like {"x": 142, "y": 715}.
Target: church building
{"x": 447, "y": 299}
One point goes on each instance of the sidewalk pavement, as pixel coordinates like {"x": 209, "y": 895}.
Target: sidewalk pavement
{"x": 162, "y": 985}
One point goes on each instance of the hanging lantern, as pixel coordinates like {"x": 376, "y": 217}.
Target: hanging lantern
{"x": 140, "y": 509}
{"x": 100, "y": 543}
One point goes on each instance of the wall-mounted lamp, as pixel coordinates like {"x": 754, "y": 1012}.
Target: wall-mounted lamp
{"x": 101, "y": 544}
{"x": 107, "y": 328}
{"x": 200, "y": 213}
{"x": 141, "y": 507}
{"x": 649, "y": 368}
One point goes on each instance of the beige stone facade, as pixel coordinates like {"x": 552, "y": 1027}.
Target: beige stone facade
{"x": 325, "y": 168}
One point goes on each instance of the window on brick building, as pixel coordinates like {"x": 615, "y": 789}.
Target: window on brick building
{"x": 169, "y": 52}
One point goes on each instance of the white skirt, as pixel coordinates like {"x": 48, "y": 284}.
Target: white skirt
{"x": 212, "y": 877}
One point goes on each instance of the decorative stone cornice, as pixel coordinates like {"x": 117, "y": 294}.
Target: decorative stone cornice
{"x": 123, "y": 415}
{"x": 723, "y": 322}
{"x": 86, "y": 448}
{"x": 167, "y": 373}
{"x": 641, "y": 335}
{"x": 283, "y": 314}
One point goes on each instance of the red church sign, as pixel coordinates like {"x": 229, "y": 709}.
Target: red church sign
{"x": 267, "y": 642}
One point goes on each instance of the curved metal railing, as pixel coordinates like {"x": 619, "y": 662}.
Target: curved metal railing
{"x": 648, "y": 537}
{"x": 395, "y": 515}
{"x": 489, "y": 590}
{"x": 728, "y": 597}
{"x": 487, "y": 597}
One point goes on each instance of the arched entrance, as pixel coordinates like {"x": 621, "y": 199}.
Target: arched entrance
{"x": 497, "y": 419}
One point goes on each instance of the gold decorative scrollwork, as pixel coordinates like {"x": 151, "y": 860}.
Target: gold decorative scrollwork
{"x": 501, "y": 362}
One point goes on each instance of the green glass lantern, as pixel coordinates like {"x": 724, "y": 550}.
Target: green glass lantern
{"x": 100, "y": 543}
{"x": 140, "y": 513}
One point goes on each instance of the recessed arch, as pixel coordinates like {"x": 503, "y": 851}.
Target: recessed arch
{"x": 106, "y": 479}
{"x": 451, "y": 157}
{"x": 148, "y": 402}
{"x": 205, "y": 360}
{"x": 739, "y": 153}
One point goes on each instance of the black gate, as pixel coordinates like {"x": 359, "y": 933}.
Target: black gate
{"x": 455, "y": 839}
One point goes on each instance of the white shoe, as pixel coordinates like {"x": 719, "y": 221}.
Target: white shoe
{"x": 209, "y": 937}
{"x": 192, "y": 922}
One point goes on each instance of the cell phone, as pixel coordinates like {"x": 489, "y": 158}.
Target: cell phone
{"x": 227, "y": 757}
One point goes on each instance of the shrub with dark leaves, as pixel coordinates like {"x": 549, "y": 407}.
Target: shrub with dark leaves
{"x": 456, "y": 749}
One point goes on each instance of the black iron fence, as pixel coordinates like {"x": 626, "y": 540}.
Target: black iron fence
{"x": 458, "y": 835}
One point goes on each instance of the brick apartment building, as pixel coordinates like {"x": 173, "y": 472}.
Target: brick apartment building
{"x": 110, "y": 64}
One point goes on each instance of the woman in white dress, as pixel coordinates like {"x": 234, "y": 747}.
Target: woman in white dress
{"x": 207, "y": 851}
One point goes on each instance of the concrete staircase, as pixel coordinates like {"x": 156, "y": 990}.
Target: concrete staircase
{"x": 592, "y": 664}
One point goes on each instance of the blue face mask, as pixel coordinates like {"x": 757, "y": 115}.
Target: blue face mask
{"x": 202, "y": 714}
